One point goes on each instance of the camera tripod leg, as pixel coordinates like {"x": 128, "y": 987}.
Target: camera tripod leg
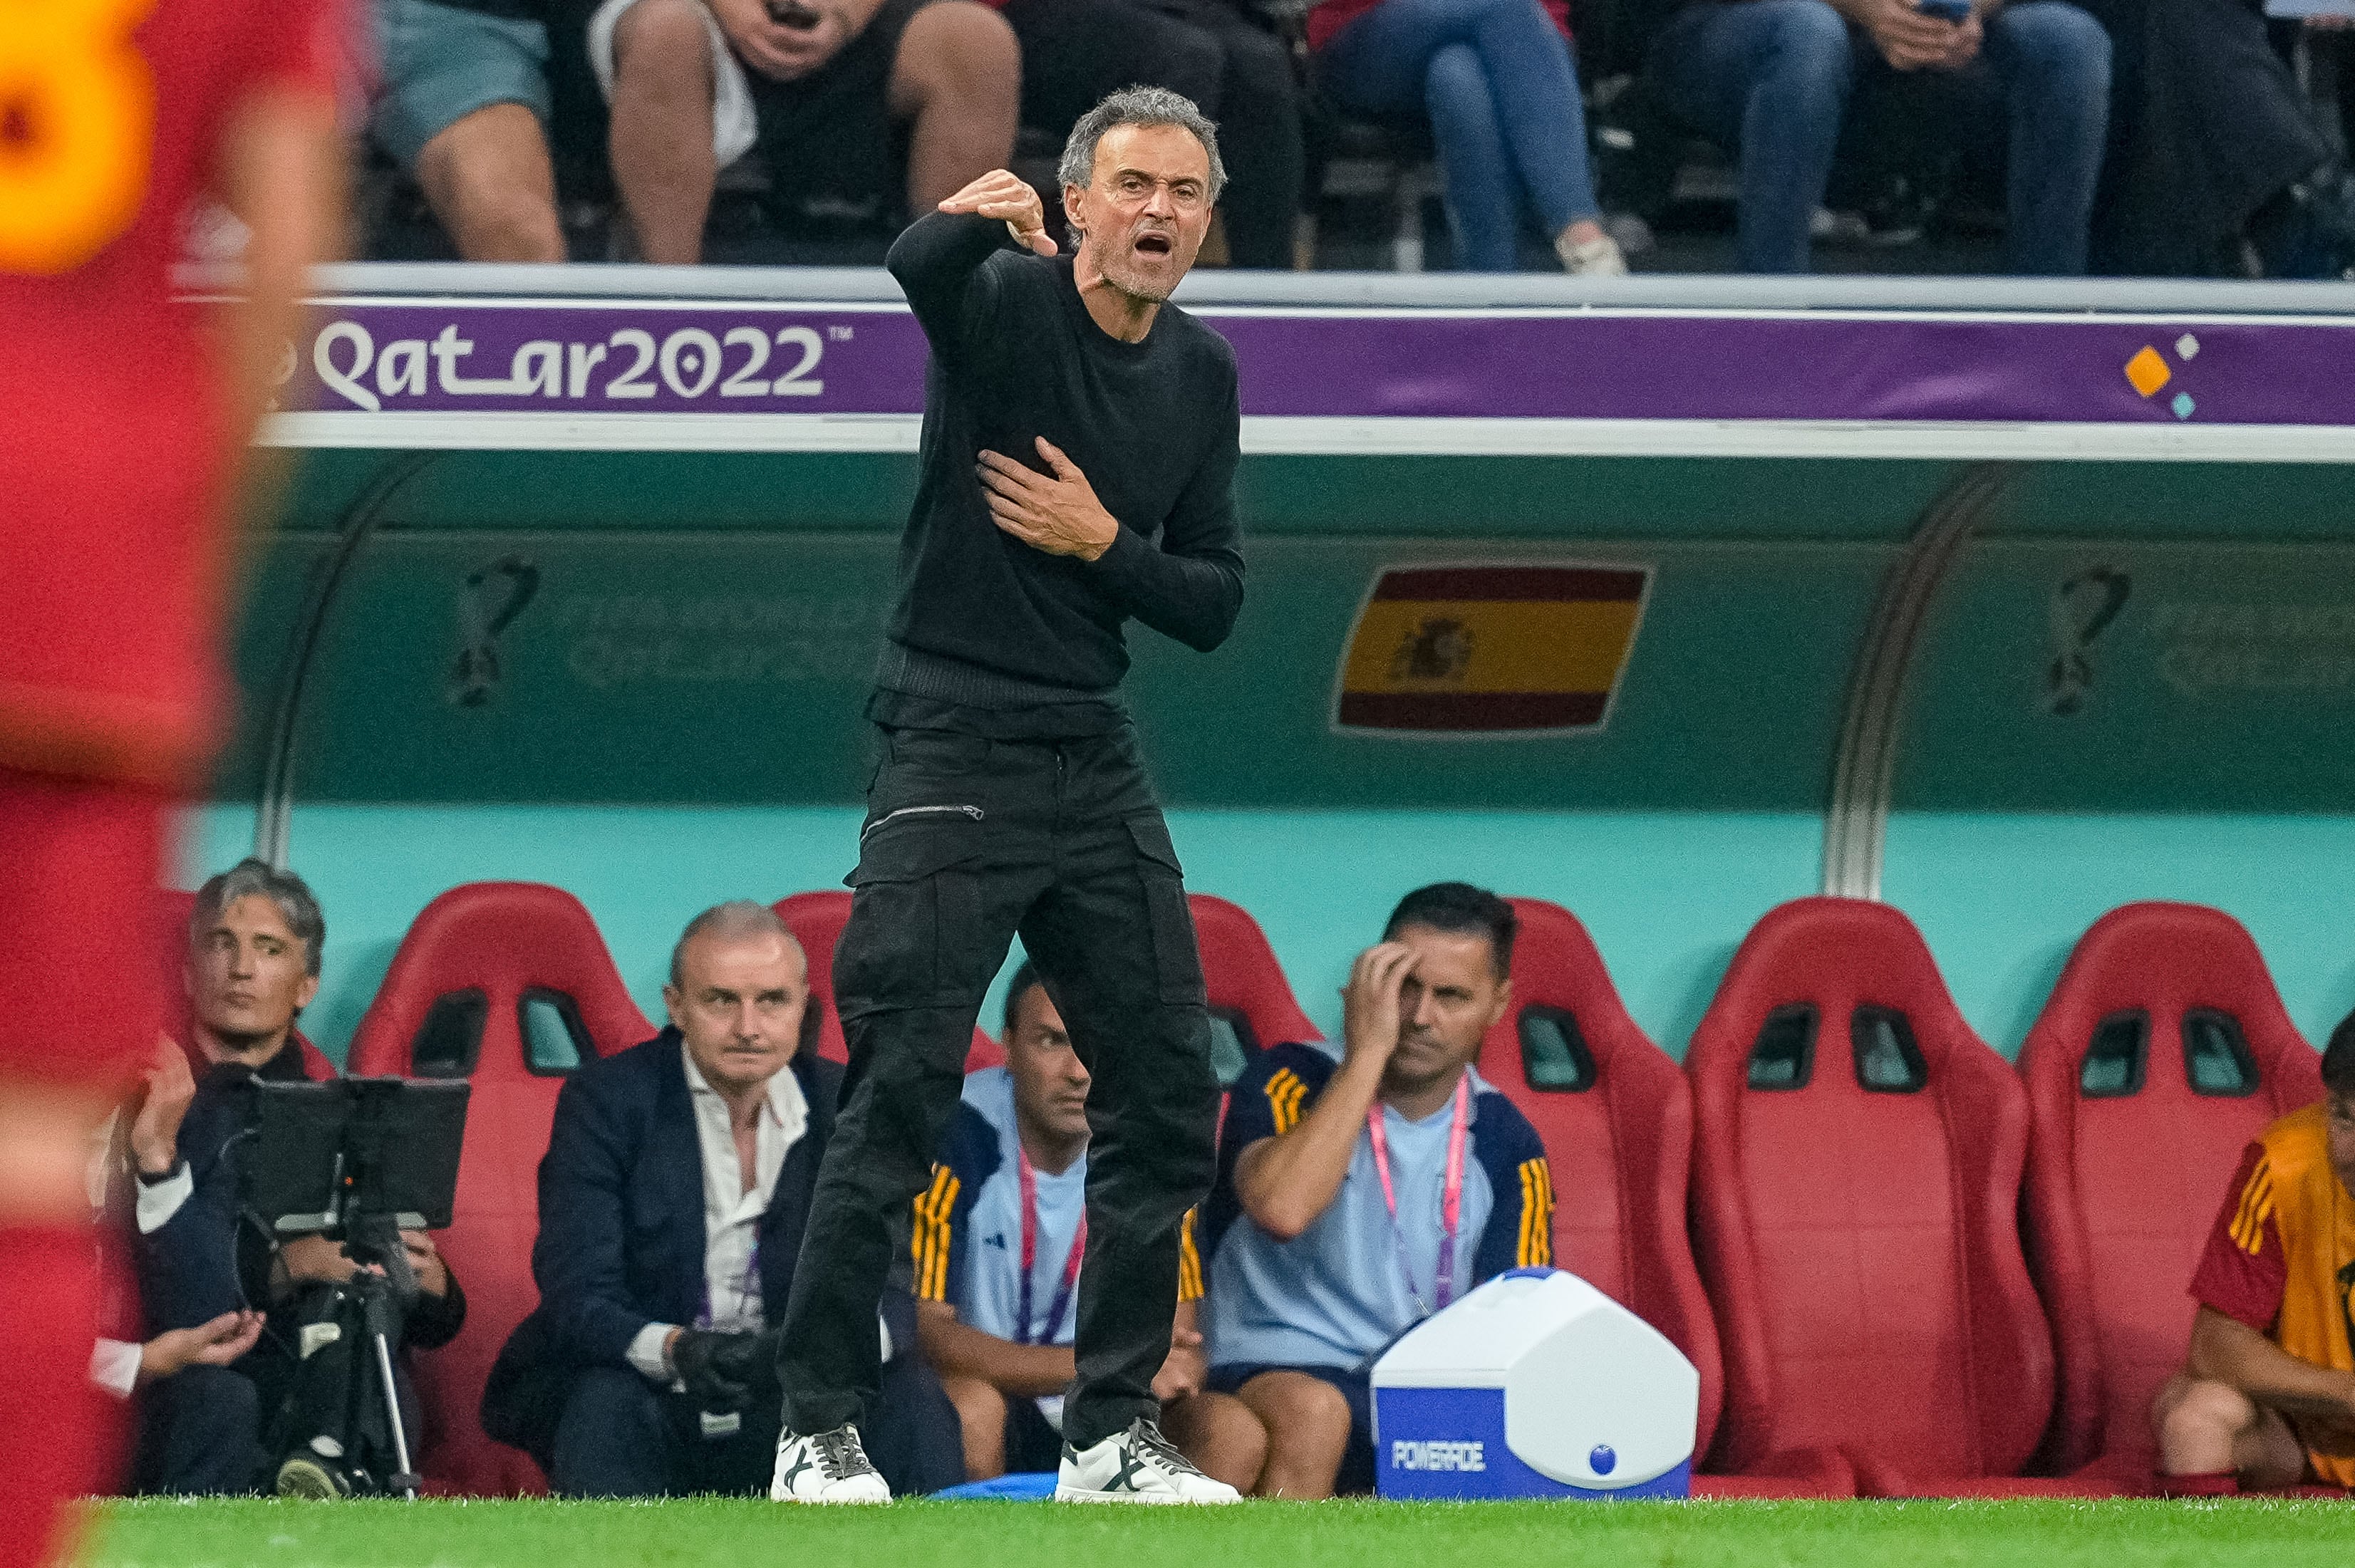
{"x": 406, "y": 1481}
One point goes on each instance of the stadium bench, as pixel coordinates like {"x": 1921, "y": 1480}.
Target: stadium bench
{"x": 817, "y": 921}
{"x": 1855, "y": 1200}
{"x": 2162, "y": 1052}
{"x": 508, "y": 985}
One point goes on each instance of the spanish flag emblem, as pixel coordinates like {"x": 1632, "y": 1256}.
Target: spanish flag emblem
{"x": 1501, "y": 650}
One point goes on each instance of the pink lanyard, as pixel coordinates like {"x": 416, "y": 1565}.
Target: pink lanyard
{"x": 1062, "y": 1302}
{"x": 1451, "y": 1202}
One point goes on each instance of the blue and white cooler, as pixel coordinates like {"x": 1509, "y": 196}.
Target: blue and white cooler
{"x": 1534, "y": 1385}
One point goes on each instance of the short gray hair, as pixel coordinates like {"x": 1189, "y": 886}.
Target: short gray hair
{"x": 1139, "y": 106}
{"x": 251, "y": 878}
{"x": 736, "y": 917}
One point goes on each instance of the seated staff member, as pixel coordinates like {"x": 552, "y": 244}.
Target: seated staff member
{"x": 998, "y": 1238}
{"x": 1356, "y": 1198}
{"x": 254, "y": 941}
{"x": 673, "y": 1200}
{"x": 2268, "y": 1398}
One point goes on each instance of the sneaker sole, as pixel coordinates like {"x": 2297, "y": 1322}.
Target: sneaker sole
{"x": 309, "y": 1482}
{"x": 1090, "y": 1495}
{"x": 832, "y": 1502}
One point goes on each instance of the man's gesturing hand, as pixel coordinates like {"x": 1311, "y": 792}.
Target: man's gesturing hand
{"x": 213, "y": 1344}
{"x": 155, "y": 1130}
{"x": 1058, "y": 514}
{"x": 1003, "y": 196}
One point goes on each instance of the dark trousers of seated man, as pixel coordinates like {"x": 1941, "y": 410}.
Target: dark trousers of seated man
{"x": 968, "y": 841}
{"x": 200, "y": 1432}
{"x": 621, "y": 1436}
{"x": 220, "y": 1431}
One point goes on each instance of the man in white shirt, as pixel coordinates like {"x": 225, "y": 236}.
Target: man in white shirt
{"x": 672, "y": 1201}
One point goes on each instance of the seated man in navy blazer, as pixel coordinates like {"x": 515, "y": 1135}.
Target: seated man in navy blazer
{"x": 672, "y": 1201}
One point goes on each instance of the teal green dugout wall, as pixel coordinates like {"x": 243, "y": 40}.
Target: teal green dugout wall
{"x": 675, "y": 713}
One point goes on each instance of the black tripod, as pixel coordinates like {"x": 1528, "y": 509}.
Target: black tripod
{"x": 359, "y": 1160}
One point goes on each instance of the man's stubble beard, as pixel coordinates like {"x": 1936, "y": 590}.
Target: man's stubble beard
{"x": 1130, "y": 287}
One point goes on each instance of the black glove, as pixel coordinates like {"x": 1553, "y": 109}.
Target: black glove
{"x": 750, "y": 1360}
{"x": 713, "y": 1368}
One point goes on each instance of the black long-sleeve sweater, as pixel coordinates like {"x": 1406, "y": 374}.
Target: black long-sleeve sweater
{"x": 988, "y": 632}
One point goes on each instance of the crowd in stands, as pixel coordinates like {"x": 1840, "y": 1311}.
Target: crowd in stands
{"x": 1359, "y": 1189}
{"x": 2128, "y": 136}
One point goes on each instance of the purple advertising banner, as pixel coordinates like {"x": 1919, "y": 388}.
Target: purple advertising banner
{"x": 718, "y": 358}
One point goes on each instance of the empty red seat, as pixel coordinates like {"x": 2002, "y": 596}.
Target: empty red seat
{"x": 1616, "y": 1118}
{"x": 2163, "y": 1050}
{"x": 508, "y": 985}
{"x": 817, "y": 921}
{"x": 1856, "y": 1183}
{"x": 1247, "y": 987}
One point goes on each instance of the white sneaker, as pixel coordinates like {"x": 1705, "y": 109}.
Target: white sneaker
{"x": 1138, "y": 1466}
{"x": 1597, "y": 258}
{"x": 828, "y": 1467}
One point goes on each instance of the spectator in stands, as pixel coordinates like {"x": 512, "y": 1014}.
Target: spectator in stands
{"x": 253, "y": 964}
{"x": 464, "y": 107}
{"x": 2268, "y": 1399}
{"x": 826, "y": 89}
{"x": 1009, "y": 1200}
{"x": 2213, "y": 142}
{"x": 1500, "y": 87}
{"x": 671, "y": 1202}
{"x": 1771, "y": 81}
{"x": 1076, "y": 53}
{"x": 1356, "y": 1198}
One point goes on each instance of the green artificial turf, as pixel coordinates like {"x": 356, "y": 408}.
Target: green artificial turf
{"x": 745, "y": 1534}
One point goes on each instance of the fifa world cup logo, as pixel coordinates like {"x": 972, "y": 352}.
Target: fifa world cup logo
{"x": 2082, "y": 607}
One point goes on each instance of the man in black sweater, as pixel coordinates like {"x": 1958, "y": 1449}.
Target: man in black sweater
{"x": 1078, "y": 454}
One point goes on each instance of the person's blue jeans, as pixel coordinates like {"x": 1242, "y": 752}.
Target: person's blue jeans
{"x": 1496, "y": 78}
{"x": 1770, "y": 80}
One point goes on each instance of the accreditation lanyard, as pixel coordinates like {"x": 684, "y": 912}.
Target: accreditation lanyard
{"x": 1450, "y": 1202}
{"x": 1062, "y": 1302}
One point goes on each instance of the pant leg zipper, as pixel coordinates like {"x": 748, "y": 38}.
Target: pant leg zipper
{"x": 973, "y": 811}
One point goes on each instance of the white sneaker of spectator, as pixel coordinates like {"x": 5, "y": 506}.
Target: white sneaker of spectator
{"x": 826, "y": 1468}
{"x": 1138, "y": 1466}
{"x": 1597, "y": 258}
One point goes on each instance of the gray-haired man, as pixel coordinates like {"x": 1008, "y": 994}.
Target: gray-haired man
{"x": 1079, "y": 455}
{"x": 254, "y": 937}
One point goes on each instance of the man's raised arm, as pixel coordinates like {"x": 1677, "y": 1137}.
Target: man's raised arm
{"x": 1285, "y": 1181}
{"x": 935, "y": 257}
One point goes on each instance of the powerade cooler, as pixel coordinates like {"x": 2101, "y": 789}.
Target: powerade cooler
{"x": 1534, "y": 1385}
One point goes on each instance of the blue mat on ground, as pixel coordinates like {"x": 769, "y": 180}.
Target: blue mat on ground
{"x": 1036, "y": 1486}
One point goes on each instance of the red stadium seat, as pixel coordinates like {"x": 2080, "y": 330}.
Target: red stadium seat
{"x": 1616, "y": 1118}
{"x": 174, "y": 908}
{"x": 2162, "y": 1052}
{"x": 508, "y": 985}
{"x": 1855, "y": 1200}
{"x": 1247, "y": 985}
{"x": 817, "y": 921}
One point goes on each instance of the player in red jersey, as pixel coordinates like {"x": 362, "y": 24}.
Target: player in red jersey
{"x": 122, "y": 416}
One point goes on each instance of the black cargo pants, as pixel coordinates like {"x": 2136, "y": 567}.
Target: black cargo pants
{"x": 968, "y": 841}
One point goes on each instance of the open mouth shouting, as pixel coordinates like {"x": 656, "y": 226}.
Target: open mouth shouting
{"x": 1155, "y": 244}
